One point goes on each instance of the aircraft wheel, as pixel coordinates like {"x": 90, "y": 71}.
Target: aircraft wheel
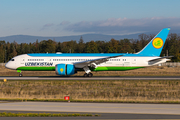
{"x": 85, "y": 75}
{"x": 90, "y": 75}
{"x": 20, "y": 75}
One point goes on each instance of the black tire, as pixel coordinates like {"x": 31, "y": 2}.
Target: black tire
{"x": 85, "y": 75}
{"x": 20, "y": 75}
{"x": 90, "y": 75}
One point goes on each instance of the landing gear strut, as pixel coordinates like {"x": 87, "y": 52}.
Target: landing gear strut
{"x": 88, "y": 75}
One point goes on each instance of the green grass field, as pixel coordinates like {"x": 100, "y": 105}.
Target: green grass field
{"x": 9, "y": 114}
{"x": 152, "y": 91}
{"x": 160, "y": 91}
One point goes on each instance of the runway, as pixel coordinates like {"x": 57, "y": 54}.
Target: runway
{"x": 91, "y": 78}
{"x": 106, "y": 110}
{"x": 173, "y": 109}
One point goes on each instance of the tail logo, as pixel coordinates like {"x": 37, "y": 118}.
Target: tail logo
{"x": 157, "y": 43}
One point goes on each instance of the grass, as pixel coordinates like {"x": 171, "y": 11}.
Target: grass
{"x": 138, "y": 91}
{"x": 148, "y": 91}
{"x": 9, "y": 114}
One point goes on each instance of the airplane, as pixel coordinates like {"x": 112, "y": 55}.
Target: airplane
{"x": 67, "y": 64}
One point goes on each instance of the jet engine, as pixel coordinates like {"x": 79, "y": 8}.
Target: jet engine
{"x": 65, "y": 69}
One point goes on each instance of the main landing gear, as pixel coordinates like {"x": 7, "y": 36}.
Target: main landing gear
{"x": 88, "y": 74}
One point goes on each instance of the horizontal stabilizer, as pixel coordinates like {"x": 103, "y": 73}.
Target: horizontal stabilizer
{"x": 158, "y": 59}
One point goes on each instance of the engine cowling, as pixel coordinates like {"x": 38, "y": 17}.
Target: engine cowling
{"x": 65, "y": 69}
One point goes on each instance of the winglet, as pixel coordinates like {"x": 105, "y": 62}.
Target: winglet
{"x": 154, "y": 47}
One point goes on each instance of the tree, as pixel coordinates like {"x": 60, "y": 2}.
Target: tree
{"x": 2, "y": 54}
{"x": 47, "y": 46}
{"x": 67, "y": 47}
{"x": 173, "y": 46}
{"x": 125, "y": 46}
{"x": 91, "y": 47}
{"x": 58, "y": 47}
{"x": 113, "y": 46}
{"x": 81, "y": 45}
{"x": 101, "y": 46}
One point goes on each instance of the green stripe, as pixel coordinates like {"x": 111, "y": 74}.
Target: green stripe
{"x": 37, "y": 68}
{"x": 115, "y": 68}
{"x": 97, "y": 69}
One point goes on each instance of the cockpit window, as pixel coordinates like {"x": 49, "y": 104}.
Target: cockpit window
{"x": 12, "y": 59}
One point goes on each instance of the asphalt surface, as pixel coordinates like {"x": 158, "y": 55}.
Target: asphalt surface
{"x": 107, "y": 116}
{"x": 92, "y": 78}
{"x": 106, "y": 110}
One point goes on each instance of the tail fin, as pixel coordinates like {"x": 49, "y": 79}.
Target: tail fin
{"x": 154, "y": 47}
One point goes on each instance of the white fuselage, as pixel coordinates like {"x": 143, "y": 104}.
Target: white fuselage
{"x": 26, "y": 60}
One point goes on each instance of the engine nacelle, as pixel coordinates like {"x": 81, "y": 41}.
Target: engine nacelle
{"x": 65, "y": 69}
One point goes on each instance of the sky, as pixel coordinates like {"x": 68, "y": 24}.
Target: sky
{"x": 77, "y": 17}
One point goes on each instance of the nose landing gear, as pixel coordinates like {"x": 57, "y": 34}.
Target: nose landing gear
{"x": 20, "y": 74}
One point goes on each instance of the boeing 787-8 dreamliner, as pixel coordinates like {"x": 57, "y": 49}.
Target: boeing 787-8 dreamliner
{"x": 70, "y": 63}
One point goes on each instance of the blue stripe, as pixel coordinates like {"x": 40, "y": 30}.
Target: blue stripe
{"x": 74, "y": 54}
{"x": 85, "y": 55}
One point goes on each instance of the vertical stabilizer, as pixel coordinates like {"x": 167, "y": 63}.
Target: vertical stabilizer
{"x": 155, "y": 46}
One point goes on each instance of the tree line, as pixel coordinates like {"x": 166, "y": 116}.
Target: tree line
{"x": 9, "y": 50}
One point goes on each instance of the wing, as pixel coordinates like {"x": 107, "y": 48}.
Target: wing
{"x": 94, "y": 62}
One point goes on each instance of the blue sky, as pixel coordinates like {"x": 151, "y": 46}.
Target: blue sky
{"x": 76, "y": 17}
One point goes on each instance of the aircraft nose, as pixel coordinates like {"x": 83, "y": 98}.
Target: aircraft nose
{"x": 7, "y": 65}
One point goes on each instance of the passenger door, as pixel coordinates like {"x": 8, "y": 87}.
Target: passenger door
{"x": 22, "y": 61}
{"x": 133, "y": 60}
